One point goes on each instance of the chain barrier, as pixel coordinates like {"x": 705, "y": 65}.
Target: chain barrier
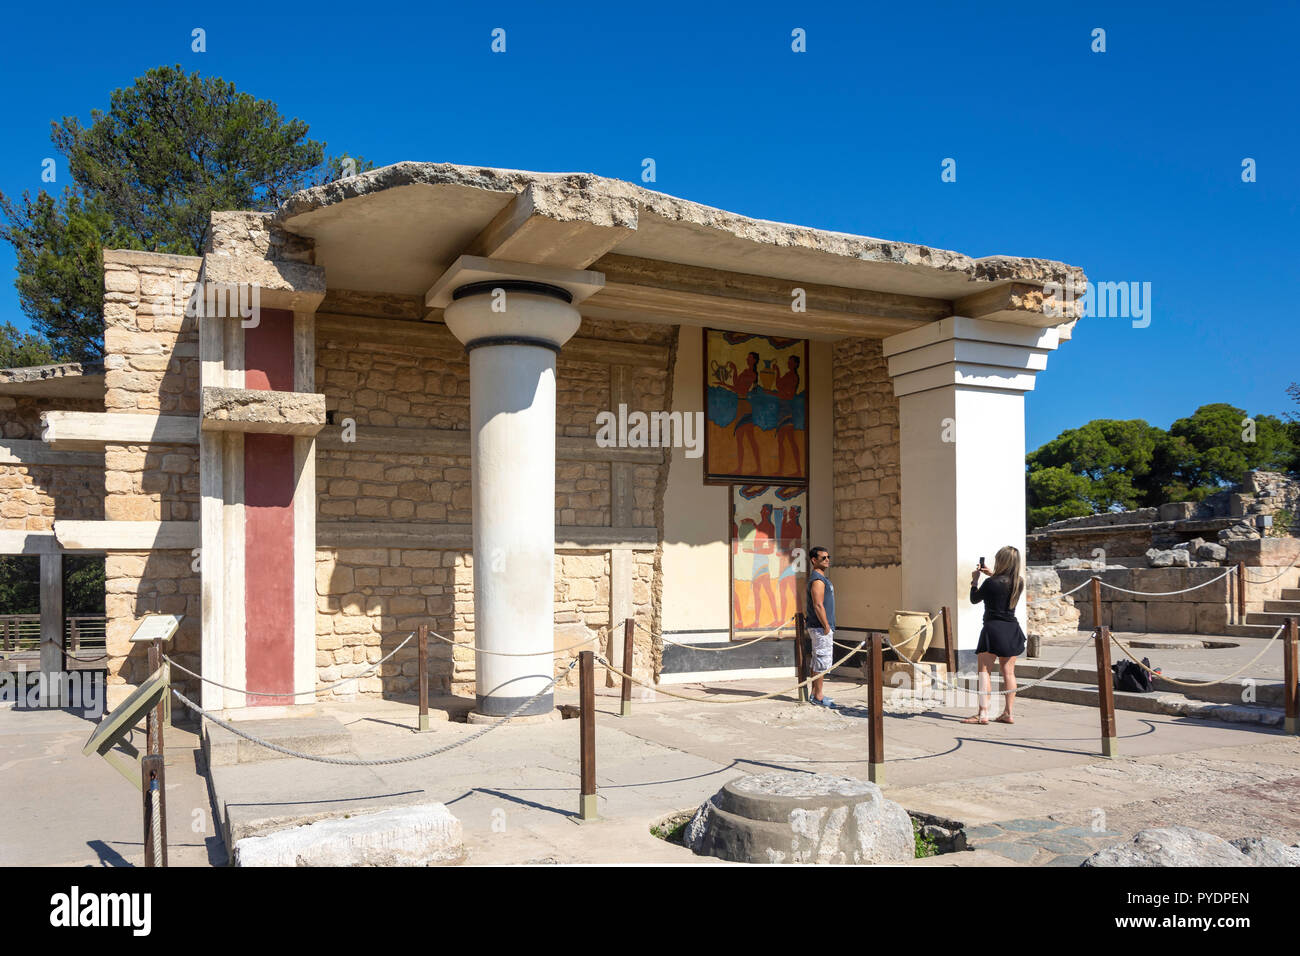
{"x": 378, "y": 762}
{"x": 301, "y": 693}
{"x": 83, "y": 660}
{"x": 1207, "y": 683}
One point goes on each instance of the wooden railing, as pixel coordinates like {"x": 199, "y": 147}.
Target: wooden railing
{"x": 22, "y": 632}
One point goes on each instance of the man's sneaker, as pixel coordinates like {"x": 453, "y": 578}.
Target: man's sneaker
{"x": 824, "y": 702}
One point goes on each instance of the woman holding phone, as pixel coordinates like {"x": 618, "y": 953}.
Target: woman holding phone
{"x": 1001, "y": 639}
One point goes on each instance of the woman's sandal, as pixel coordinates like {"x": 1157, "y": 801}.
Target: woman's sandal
{"x": 976, "y": 720}
{"x": 1004, "y": 719}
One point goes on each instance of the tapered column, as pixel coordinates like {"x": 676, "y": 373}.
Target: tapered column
{"x": 961, "y": 387}
{"x": 513, "y": 326}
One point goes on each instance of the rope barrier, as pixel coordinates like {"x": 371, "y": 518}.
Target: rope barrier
{"x": 1194, "y": 587}
{"x": 658, "y": 688}
{"x": 1289, "y": 567}
{"x": 1208, "y": 683}
{"x": 1011, "y": 690}
{"x": 380, "y": 762}
{"x": 155, "y": 814}
{"x": 483, "y": 650}
{"x": 727, "y": 647}
{"x": 83, "y": 660}
{"x": 302, "y": 693}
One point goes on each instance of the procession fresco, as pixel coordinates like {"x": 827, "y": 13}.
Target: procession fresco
{"x": 756, "y": 389}
{"x": 768, "y": 558}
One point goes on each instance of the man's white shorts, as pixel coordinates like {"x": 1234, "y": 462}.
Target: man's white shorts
{"x": 822, "y": 647}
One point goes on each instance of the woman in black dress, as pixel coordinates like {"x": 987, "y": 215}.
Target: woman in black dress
{"x": 1001, "y": 639}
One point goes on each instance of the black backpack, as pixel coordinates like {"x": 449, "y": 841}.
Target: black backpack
{"x": 1128, "y": 676}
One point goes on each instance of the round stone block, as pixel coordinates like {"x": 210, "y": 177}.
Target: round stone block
{"x": 782, "y": 817}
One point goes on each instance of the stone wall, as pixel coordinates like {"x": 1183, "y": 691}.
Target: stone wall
{"x": 1207, "y": 610}
{"x": 868, "y": 509}
{"x": 151, "y": 366}
{"x": 1049, "y": 613}
{"x": 369, "y": 599}
{"x": 32, "y": 496}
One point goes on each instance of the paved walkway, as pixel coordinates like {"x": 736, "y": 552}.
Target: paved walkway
{"x": 1035, "y": 792}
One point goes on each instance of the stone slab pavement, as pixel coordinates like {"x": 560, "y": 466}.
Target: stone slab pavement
{"x": 515, "y": 789}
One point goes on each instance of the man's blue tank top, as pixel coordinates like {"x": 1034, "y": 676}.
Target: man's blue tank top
{"x": 828, "y": 601}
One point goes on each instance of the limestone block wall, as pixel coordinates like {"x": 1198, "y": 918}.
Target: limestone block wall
{"x": 868, "y": 509}
{"x": 1207, "y": 610}
{"x": 32, "y": 496}
{"x": 151, "y": 366}
{"x": 369, "y": 599}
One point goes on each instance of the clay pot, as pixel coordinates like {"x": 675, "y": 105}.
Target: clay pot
{"x": 910, "y": 634}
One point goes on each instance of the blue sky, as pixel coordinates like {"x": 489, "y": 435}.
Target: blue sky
{"x": 1127, "y": 163}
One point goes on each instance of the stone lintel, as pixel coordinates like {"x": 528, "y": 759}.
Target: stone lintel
{"x": 262, "y": 411}
{"x": 295, "y": 286}
{"x": 1019, "y": 303}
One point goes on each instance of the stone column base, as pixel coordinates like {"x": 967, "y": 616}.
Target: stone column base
{"x": 474, "y": 717}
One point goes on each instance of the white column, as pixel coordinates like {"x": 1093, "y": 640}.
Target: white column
{"x": 513, "y": 322}
{"x": 961, "y": 385}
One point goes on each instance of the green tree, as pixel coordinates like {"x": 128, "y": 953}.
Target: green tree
{"x": 148, "y": 173}
{"x": 1224, "y": 444}
{"x": 18, "y": 349}
{"x": 1115, "y": 456}
{"x": 59, "y": 247}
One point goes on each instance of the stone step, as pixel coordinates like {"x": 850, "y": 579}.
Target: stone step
{"x": 1267, "y": 693}
{"x": 1291, "y": 608}
{"x": 1174, "y": 705}
{"x": 1291, "y": 594}
{"x": 1270, "y": 619}
{"x": 320, "y": 736}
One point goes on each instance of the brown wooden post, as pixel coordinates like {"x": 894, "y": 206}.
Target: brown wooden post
{"x": 422, "y": 655}
{"x": 1106, "y": 694}
{"x": 876, "y": 710}
{"x": 153, "y": 775}
{"x": 1291, "y": 669}
{"x": 799, "y": 631}
{"x": 156, "y": 721}
{"x": 587, "y": 733}
{"x": 1096, "y": 602}
{"x": 1241, "y": 592}
{"x": 625, "y": 707}
{"x": 949, "y": 645}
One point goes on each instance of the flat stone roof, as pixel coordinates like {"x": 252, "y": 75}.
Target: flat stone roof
{"x": 397, "y": 228}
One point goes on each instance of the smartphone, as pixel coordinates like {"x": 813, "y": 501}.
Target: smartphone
{"x": 981, "y": 561}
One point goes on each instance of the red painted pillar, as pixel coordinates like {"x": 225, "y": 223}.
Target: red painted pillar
{"x": 268, "y": 519}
